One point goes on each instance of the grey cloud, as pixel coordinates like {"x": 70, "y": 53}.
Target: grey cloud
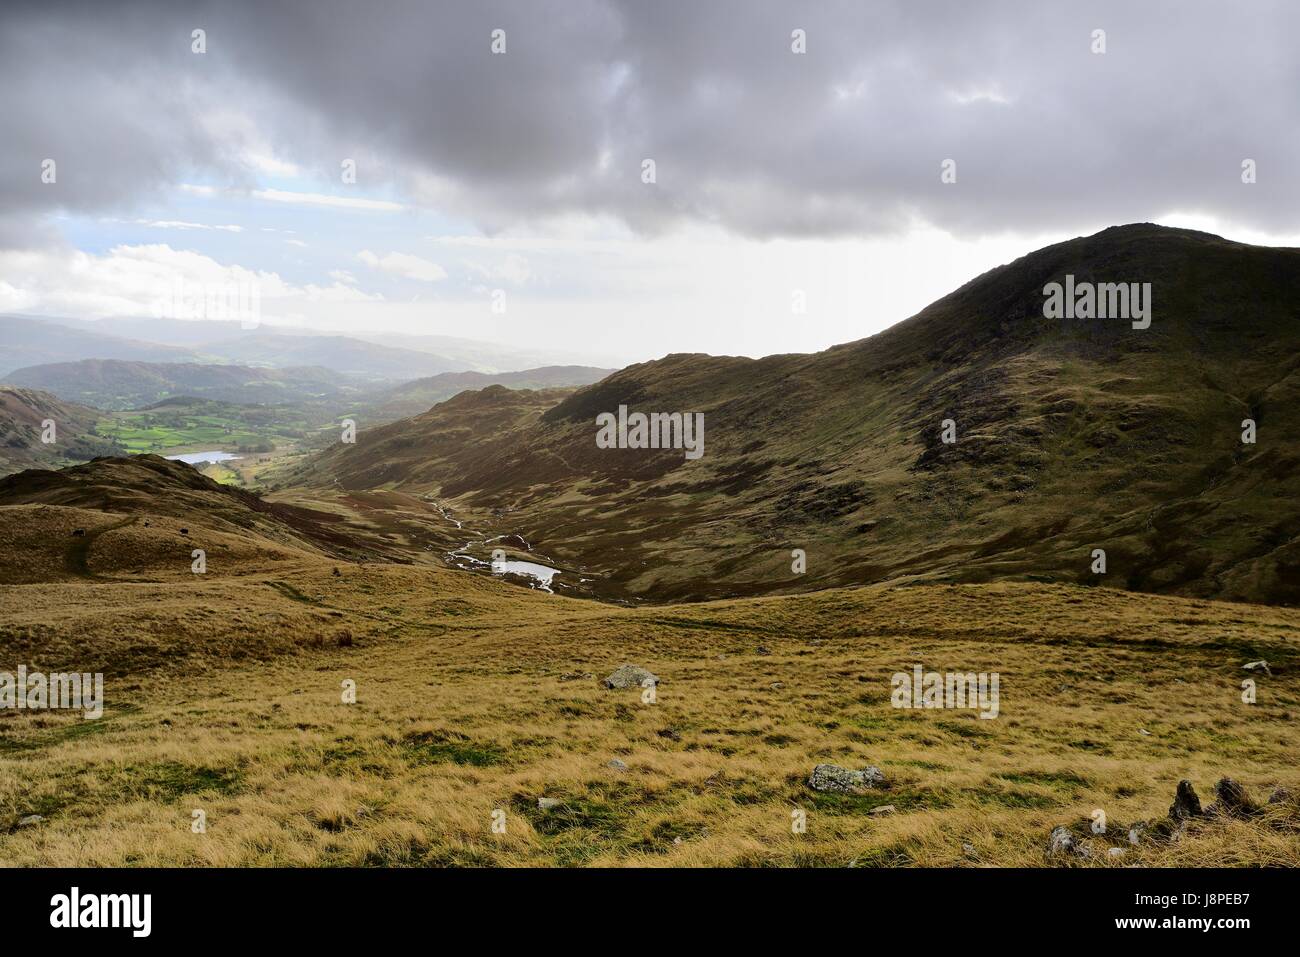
{"x": 847, "y": 138}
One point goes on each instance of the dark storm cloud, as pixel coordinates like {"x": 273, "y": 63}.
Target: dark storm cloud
{"x": 847, "y": 138}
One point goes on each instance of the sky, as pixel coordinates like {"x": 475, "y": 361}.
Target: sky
{"x": 616, "y": 178}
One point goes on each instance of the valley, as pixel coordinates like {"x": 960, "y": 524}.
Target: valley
{"x": 413, "y": 650}
{"x": 474, "y": 699}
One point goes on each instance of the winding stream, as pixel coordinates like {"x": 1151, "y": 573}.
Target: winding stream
{"x": 540, "y": 576}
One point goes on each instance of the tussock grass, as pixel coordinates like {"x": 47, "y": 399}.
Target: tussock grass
{"x": 461, "y": 716}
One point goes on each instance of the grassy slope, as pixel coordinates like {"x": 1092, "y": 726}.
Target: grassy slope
{"x": 79, "y": 431}
{"x": 223, "y": 695}
{"x": 463, "y": 709}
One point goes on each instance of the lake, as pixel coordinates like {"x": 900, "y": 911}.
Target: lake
{"x": 542, "y": 573}
{"x": 194, "y": 458}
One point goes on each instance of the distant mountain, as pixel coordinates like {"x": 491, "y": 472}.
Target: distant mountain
{"x": 23, "y": 413}
{"x": 115, "y": 384}
{"x": 28, "y": 342}
{"x": 381, "y": 356}
{"x": 1069, "y": 435}
{"x": 412, "y": 398}
{"x": 186, "y": 333}
{"x": 341, "y": 353}
{"x": 486, "y": 356}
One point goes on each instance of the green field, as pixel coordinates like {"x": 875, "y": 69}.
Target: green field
{"x": 205, "y": 424}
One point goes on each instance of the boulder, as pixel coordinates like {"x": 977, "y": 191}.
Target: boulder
{"x": 31, "y": 820}
{"x": 1061, "y": 840}
{"x": 548, "y": 804}
{"x": 838, "y": 780}
{"x": 630, "y": 676}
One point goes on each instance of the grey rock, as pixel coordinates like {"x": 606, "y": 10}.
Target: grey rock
{"x": 1061, "y": 840}
{"x": 617, "y": 765}
{"x": 838, "y": 780}
{"x": 1135, "y": 833}
{"x": 629, "y": 676}
{"x": 1260, "y": 665}
{"x": 1116, "y": 852}
{"x": 31, "y": 820}
{"x": 1186, "y": 803}
{"x": 548, "y": 804}
{"x": 883, "y": 810}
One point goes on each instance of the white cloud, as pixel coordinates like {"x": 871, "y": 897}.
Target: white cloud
{"x": 404, "y": 265}
{"x": 513, "y": 270}
{"x": 133, "y": 280}
{"x": 179, "y": 224}
{"x": 323, "y": 199}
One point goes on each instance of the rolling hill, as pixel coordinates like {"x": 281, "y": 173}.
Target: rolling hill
{"x": 341, "y": 353}
{"x": 118, "y": 384}
{"x": 412, "y": 398}
{"x": 1071, "y": 435}
{"x": 76, "y": 431}
{"x": 29, "y": 342}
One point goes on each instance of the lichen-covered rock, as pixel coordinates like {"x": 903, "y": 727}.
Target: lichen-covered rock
{"x": 1061, "y": 840}
{"x": 838, "y": 780}
{"x": 630, "y": 676}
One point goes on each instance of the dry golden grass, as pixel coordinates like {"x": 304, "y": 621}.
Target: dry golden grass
{"x": 467, "y": 705}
